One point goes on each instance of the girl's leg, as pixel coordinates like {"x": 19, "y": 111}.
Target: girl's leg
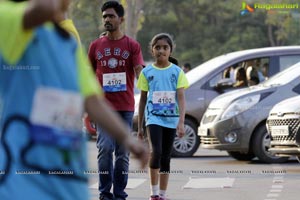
{"x": 163, "y": 183}
{"x": 155, "y": 140}
{"x": 154, "y": 182}
{"x": 168, "y": 136}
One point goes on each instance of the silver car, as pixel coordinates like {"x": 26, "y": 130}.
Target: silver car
{"x": 216, "y": 77}
{"x": 283, "y": 125}
{"x": 236, "y": 121}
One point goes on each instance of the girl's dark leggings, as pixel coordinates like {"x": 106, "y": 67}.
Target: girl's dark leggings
{"x": 161, "y": 142}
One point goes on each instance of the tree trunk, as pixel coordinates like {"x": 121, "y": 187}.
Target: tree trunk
{"x": 133, "y": 13}
{"x": 270, "y": 36}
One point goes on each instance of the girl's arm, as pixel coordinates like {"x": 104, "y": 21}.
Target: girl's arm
{"x": 181, "y": 104}
{"x": 143, "y": 100}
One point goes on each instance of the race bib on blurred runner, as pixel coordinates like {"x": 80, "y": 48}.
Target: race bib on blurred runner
{"x": 56, "y": 117}
{"x": 114, "y": 82}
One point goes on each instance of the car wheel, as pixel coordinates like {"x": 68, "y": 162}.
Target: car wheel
{"x": 189, "y": 143}
{"x": 241, "y": 156}
{"x": 261, "y": 144}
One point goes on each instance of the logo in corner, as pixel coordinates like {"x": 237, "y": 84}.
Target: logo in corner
{"x": 246, "y": 8}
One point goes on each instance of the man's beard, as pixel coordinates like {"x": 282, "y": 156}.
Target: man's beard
{"x": 109, "y": 27}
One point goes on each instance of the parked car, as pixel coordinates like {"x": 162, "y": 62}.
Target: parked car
{"x": 236, "y": 121}
{"x": 216, "y": 77}
{"x": 283, "y": 125}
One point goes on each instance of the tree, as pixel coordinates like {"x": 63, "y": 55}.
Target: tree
{"x": 133, "y": 16}
{"x": 202, "y": 29}
{"x": 86, "y": 17}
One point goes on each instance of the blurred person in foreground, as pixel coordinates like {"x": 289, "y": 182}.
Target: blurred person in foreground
{"x": 45, "y": 85}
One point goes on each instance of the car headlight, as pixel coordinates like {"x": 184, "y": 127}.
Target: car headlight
{"x": 240, "y": 105}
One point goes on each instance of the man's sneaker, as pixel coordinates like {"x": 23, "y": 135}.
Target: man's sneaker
{"x": 162, "y": 198}
{"x": 104, "y": 198}
{"x": 154, "y": 197}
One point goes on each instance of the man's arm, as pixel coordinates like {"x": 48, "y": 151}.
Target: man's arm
{"x": 91, "y": 57}
{"x": 137, "y": 70}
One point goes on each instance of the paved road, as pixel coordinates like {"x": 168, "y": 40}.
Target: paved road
{"x": 214, "y": 175}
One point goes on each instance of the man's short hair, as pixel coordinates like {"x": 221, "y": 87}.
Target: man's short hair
{"x": 115, "y": 5}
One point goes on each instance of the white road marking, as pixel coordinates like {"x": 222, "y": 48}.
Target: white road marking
{"x": 275, "y": 190}
{"x": 197, "y": 183}
{"x": 132, "y": 183}
{"x": 273, "y": 195}
{"x": 277, "y": 186}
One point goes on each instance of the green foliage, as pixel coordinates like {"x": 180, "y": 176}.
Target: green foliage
{"x": 202, "y": 29}
{"x": 87, "y": 18}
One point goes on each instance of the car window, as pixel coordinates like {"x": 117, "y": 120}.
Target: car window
{"x": 286, "y": 61}
{"x": 242, "y": 74}
{"x": 205, "y": 68}
{"x": 296, "y": 89}
{"x": 285, "y": 76}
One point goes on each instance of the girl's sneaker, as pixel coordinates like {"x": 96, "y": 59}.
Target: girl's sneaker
{"x": 162, "y": 198}
{"x": 154, "y": 197}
